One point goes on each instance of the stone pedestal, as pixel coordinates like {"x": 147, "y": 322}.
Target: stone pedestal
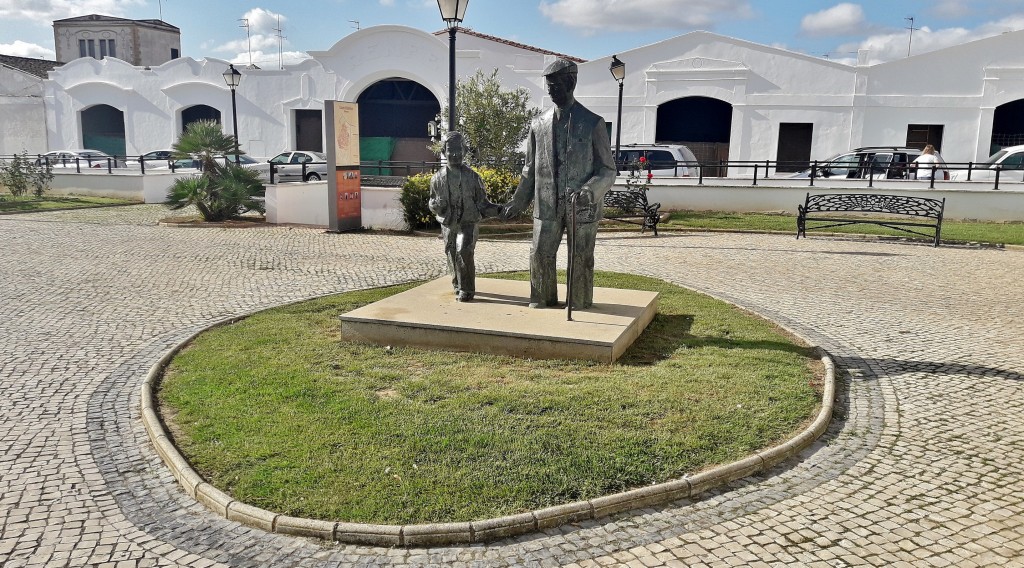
{"x": 499, "y": 321}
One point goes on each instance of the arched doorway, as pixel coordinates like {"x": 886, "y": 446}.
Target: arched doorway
{"x": 393, "y": 117}
{"x": 103, "y": 129}
{"x": 196, "y": 113}
{"x": 703, "y": 124}
{"x": 1007, "y": 125}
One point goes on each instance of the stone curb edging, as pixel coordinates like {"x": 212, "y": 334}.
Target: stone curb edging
{"x": 470, "y": 532}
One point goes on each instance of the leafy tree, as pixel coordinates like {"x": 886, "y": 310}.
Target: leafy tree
{"x": 21, "y": 175}
{"x": 222, "y": 191}
{"x": 493, "y": 120}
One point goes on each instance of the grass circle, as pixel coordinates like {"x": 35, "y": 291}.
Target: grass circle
{"x": 280, "y": 413}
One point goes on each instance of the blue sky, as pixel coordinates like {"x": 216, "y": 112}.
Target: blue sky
{"x": 583, "y": 28}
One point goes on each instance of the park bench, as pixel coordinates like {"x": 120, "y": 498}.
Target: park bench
{"x": 631, "y": 206}
{"x": 901, "y": 211}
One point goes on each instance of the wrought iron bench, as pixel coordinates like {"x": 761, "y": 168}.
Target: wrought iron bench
{"x": 631, "y": 206}
{"x": 916, "y": 212}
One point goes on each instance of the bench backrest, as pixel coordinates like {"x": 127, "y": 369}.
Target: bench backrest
{"x": 872, "y": 203}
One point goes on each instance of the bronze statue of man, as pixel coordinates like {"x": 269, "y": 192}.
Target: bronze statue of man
{"x": 568, "y": 152}
{"x": 458, "y": 200}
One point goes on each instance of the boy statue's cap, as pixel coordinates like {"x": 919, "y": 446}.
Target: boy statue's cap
{"x": 560, "y": 66}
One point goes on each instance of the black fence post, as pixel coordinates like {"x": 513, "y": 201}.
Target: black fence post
{"x": 273, "y": 170}
{"x": 755, "y": 174}
{"x": 814, "y": 170}
{"x": 999, "y": 169}
{"x": 931, "y": 185}
{"x": 700, "y": 174}
{"x": 970, "y": 168}
{"x": 871, "y": 176}
{"x": 304, "y": 167}
{"x": 78, "y": 165}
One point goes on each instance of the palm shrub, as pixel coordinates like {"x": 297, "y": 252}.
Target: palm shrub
{"x": 221, "y": 191}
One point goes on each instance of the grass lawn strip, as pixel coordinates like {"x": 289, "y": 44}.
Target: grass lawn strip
{"x": 281, "y": 414}
{"x": 9, "y": 204}
{"x": 1009, "y": 233}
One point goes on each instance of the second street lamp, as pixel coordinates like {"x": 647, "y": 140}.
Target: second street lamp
{"x": 232, "y": 77}
{"x": 618, "y": 70}
{"x": 452, "y": 12}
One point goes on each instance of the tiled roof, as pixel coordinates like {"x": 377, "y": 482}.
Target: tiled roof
{"x": 497, "y": 39}
{"x": 37, "y": 67}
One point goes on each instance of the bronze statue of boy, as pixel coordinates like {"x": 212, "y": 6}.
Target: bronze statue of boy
{"x": 459, "y": 201}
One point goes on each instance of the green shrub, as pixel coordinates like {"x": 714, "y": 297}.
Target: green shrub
{"x": 499, "y": 184}
{"x": 414, "y": 197}
{"x": 21, "y": 175}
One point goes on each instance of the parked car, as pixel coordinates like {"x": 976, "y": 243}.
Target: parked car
{"x": 880, "y": 162}
{"x": 663, "y": 159}
{"x": 289, "y": 165}
{"x": 152, "y": 159}
{"x": 194, "y": 163}
{"x": 1010, "y": 160}
{"x": 84, "y": 158}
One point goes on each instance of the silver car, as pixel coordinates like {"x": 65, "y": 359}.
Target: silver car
{"x": 289, "y": 165}
{"x": 78, "y": 158}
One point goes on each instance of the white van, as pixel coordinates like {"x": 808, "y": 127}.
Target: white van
{"x": 665, "y": 160}
{"x": 1010, "y": 160}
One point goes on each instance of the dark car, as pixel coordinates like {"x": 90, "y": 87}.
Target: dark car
{"x": 880, "y": 162}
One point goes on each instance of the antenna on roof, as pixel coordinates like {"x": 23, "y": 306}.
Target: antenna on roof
{"x": 161, "y": 5}
{"x": 280, "y": 40}
{"x": 248, "y": 38}
{"x": 911, "y": 28}
{"x": 355, "y": 23}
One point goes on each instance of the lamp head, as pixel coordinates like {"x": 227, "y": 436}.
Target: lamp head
{"x": 617, "y": 68}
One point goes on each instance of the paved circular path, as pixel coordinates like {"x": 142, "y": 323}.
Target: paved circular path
{"x": 924, "y": 465}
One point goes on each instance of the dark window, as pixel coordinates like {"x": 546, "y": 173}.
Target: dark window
{"x": 91, "y": 47}
{"x": 110, "y": 48}
{"x": 1014, "y": 162}
{"x": 81, "y": 48}
{"x": 660, "y": 159}
{"x": 174, "y": 53}
{"x": 794, "y": 153}
{"x": 103, "y": 48}
{"x": 920, "y": 135}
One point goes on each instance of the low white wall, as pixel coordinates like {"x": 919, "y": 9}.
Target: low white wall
{"x": 307, "y": 204}
{"x": 148, "y": 188}
{"x": 964, "y": 200}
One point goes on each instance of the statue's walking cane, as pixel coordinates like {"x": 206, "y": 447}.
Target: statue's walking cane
{"x": 571, "y": 240}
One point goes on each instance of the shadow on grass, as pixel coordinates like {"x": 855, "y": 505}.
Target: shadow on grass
{"x": 669, "y": 333}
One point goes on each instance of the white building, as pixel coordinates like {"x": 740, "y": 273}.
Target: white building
{"x": 139, "y": 42}
{"x": 725, "y": 97}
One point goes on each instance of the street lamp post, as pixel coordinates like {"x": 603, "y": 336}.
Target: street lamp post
{"x": 618, "y": 70}
{"x": 452, "y": 12}
{"x": 232, "y": 77}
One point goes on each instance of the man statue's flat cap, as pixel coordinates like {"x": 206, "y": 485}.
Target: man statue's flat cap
{"x": 560, "y": 66}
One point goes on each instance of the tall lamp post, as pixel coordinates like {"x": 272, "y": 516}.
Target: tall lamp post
{"x": 618, "y": 70}
{"x": 452, "y": 12}
{"x": 232, "y": 77}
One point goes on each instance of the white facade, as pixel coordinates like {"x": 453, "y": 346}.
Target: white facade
{"x": 22, "y": 114}
{"x": 957, "y": 89}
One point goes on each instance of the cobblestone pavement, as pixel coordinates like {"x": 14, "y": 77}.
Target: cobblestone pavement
{"x": 924, "y": 465}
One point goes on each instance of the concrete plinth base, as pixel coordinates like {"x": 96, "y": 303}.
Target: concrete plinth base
{"x": 499, "y": 321}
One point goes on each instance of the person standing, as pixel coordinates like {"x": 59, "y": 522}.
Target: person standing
{"x": 568, "y": 153}
{"x": 458, "y": 200}
{"x": 929, "y": 163}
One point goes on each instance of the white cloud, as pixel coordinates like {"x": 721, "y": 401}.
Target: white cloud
{"x": 269, "y": 59}
{"x": 616, "y": 15}
{"x": 22, "y": 49}
{"x": 889, "y": 46}
{"x": 387, "y": 2}
{"x": 262, "y": 35}
{"x": 841, "y": 19}
{"x": 951, "y": 8}
{"x": 45, "y": 11}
